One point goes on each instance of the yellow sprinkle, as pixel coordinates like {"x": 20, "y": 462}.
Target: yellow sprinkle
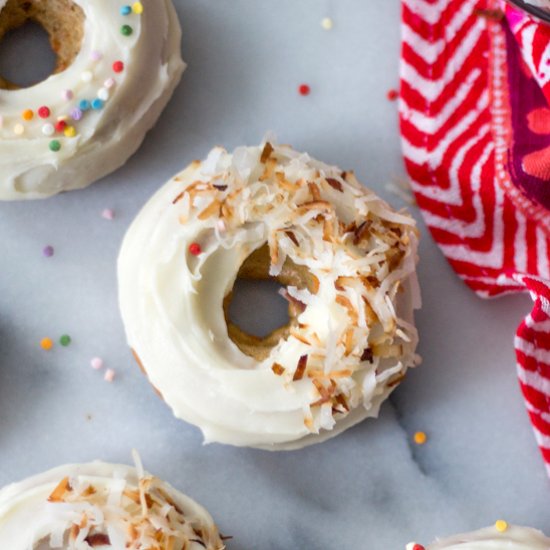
{"x": 327, "y": 23}
{"x": 70, "y": 131}
{"x": 420, "y": 438}
{"x": 137, "y": 7}
{"x": 18, "y": 129}
{"x": 27, "y": 114}
{"x": 46, "y": 344}
{"x": 501, "y": 526}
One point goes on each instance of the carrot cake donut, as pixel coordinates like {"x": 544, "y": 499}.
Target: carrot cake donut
{"x": 346, "y": 261}
{"x": 117, "y": 66}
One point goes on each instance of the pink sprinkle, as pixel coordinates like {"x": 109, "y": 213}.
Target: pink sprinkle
{"x": 109, "y": 375}
{"x": 95, "y": 55}
{"x": 67, "y": 95}
{"x": 108, "y": 214}
{"x": 97, "y": 363}
{"x": 109, "y": 83}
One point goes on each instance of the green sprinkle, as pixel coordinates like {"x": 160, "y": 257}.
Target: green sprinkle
{"x": 126, "y": 30}
{"x": 65, "y": 340}
{"x": 55, "y": 145}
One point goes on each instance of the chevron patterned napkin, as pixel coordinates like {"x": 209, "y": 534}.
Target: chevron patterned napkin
{"x": 475, "y": 125}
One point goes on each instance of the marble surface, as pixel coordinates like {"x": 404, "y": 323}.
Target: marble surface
{"x": 370, "y": 488}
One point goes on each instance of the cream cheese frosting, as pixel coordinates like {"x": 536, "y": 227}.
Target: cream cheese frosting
{"x": 100, "y": 107}
{"x": 355, "y": 338}
{"x": 512, "y": 538}
{"x": 102, "y": 506}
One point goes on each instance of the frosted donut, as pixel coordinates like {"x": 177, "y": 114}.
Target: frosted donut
{"x": 347, "y": 261}
{"x": 117, "y": 67}
{"x": 512, "y": 538}
{"x": 102, "y": 506}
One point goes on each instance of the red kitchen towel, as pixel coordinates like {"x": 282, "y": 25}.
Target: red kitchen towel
{"x": 475, "y": 125}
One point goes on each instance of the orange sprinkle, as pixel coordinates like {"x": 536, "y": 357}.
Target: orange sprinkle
{"x": 27, "y": 114}
{"x": 46, "y": 344}
{"x": 420, "y": 438}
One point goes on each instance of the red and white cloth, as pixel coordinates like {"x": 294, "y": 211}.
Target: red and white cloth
{"x": 475, "y": 124}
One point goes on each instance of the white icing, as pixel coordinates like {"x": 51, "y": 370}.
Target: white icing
{"x": 514, "y": 538}
{"x": 105, "y": 138}
{"x": 171, "y": 301}
{"x": 29, "y": 521}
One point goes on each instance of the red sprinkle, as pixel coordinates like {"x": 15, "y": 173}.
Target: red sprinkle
{"x": 418, "y": 547}
{"x": 60, "y": 125}
{"x": 118, "y": 66}
{"x": 44, "y": 112}
{"x": 393, "y": 95}
{"x": 195, "y": 249}
{"x": 304, "y": 89}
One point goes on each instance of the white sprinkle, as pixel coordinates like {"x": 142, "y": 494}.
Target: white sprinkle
{"x": 87, "y": 76}
{"x": 48, "y": 129}
{"x": 19, "y": 129}
{"x": 327, "y": 23}
{"x": 108, "y": 214}
{"x": 97, "y": 363}
{"x": 103, "y": 94}
{"x": 109, "y": 375}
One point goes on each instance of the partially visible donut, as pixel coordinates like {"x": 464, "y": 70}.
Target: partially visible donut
{"x": 509, "y": 538}
{"x": 347, "y": 262}
{"x": 117, "y": 66}
{"x": 102, "y": 506}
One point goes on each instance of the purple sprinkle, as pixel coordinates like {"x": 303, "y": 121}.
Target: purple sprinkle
{"x": 48, "y": 251}
{"x": 76, "y": 113}
{"x": 108, "y": 214}
{"x": 95, "y": 55}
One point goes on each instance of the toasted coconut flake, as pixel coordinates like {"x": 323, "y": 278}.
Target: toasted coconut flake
{"x": 315, "y": 205}
{"x": 342, "y": 401}
{"x": 292, "y": 236}
{"x": 213, "y": 209}
{"x": 98, "y": 539}
{"x": 59, "y": 492}
{"x": 299, "y": 336}
{"x": 266, "y": 153}
{"x": 220, "y": 187}
{"x": 314, "y": 191}
{"x": 362, "y": 231}
{"x": 346, "y": 303}
{"x": 278, "y": 369}
{"x": 367, "y": 355}
{"x": 335, "y": 184}
{"x": 396, "y": 380}
{"x": 301, "y": 368}
{"x": 179, "y": 197}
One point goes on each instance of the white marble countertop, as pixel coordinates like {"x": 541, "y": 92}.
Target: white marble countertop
{"x": 370, "y": 488}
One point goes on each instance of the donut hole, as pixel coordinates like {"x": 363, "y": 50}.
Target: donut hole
{"x": 38, "y": 38}
{"x": 257, "y": 317}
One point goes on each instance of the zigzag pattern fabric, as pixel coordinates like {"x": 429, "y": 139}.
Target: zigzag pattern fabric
{"x": 475, "y": 125}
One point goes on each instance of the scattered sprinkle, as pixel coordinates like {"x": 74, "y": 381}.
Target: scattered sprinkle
{"x": 67, "y": 95}
{"x": 118, "y": 66}
{"x": 27, "y": 114}
{"x": 125, "y": 10}
{"x": 87, "y": 76}
{"x": 108, "y": 214}
{"x": 97, "y": 104}
{"x": 109, "y": 83}
{"x": 414, "y": 546}
{"x": 70, "y": 131}
{"x": 84, "y": 105}
{"x": 46, "y": 344}
{"x": 96, "y": 363}
{"x": 304, "y": 89}
{"x": 18, "y": 129}
{"x": 109, "y": 375}
{"x": 420, "y": 438}
{"x": 195, "y": 249}
{"x": 48, "y": 251}
{"x": 55, "y": 145}
{"x": 392, "y": 95}
{"x": 65, "y": 340}
{"x": 76, "y": 113}
{"x": 126, "y": 30}
{"x": 44, "y": 112}
{"x": 501, "y": 526}
{"x": 60, "y": 125}
{"x": 327, "y": 23}
{"x": 137, "y": 8}
{"x": 48, "y": 129}
{"x": 96, "y": 56}
{"x": 103, "y": 94}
